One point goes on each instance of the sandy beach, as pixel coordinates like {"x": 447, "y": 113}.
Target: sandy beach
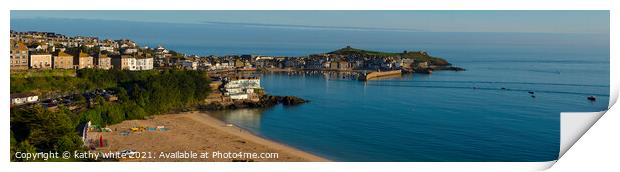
{"x": 198, "y": 133}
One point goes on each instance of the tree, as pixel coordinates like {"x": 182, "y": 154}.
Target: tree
{"x": 94, "y": 116}
{"x": 23, "y": 147}
{"x": 121, "y": 93}
{"x": 140, "y": 94}
{"x": 134, "y": 112}
{"x": 43, "y": 129}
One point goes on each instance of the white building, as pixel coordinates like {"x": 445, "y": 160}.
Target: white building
{"x": 160, "y": 52}
{"x": 241, "y": 88}
{"x": 222, "y": 65}
{"x": 144, "y": 64}
{"x": 132, "y": 64}
{"x": 124, "y": 63}
{"x": 191, "y": 65}
{"x": 130, "y": 51}
{"x": 263, "y": 58}
{"x": 404, "y": 63}
{"x": 23, "y": 99}
{"x": 106, "y": 48}
{"x": 239, "y": 96}
{"x": 40, "y": 61}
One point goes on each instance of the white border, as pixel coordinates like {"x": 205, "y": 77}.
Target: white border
{"x": 571, "y": 160}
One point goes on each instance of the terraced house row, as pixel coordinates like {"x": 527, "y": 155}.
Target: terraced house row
{"x": 42, "y": 50}
{"x": 22, "y": 59}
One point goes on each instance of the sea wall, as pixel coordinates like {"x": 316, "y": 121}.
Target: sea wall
{"x": 372, "y": 75}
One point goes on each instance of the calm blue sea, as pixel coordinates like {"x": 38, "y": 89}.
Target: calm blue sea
{"x": 438, "y": 117}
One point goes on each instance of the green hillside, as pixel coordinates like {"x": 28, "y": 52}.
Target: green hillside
{"x": 418, "y": 56}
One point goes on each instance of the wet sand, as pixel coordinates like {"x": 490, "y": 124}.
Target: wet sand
{"x": 196, "y": 132}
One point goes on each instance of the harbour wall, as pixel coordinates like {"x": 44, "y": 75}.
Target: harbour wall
{"x": 372, "y": 75}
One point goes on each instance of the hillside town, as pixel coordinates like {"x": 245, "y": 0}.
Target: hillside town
{"x": 44, "y": 51}
{"x": 48, "y": 50}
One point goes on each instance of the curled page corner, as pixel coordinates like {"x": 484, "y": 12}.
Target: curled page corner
{"x": 573, "y": 125}
{"x": 546, "y": 165}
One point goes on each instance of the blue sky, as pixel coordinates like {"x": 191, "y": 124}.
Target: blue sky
{"x": 433, "y": 21}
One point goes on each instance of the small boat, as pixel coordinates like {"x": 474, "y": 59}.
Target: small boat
{"x": 531, "y": 92}
{"x": 591, "y": 98}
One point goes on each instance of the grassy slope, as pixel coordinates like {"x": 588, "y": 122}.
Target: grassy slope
{"x": 416, "y": 55}
{"x": 43, "y": 73}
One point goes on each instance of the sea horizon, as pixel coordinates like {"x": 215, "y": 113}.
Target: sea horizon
{"x": 238, "y": 45}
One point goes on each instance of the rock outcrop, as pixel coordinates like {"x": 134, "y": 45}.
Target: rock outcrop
{"x": 264, "y": 102}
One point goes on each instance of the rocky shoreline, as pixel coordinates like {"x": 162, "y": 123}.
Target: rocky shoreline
{"x": 430, "y": 70}
{"x": 452, "y": 68}
{"x": 264, "y": 102}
